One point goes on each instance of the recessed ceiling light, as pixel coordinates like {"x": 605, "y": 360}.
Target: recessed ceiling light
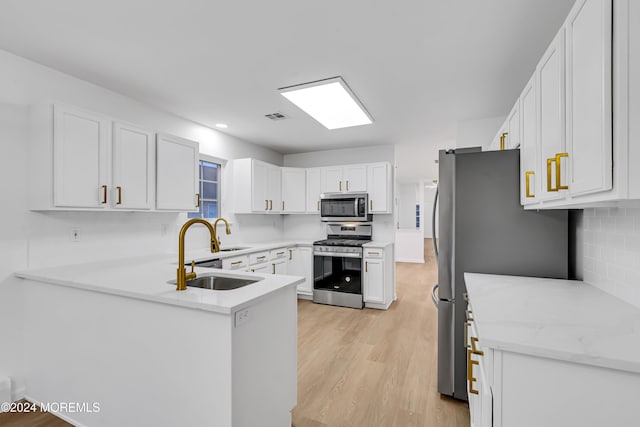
{"x": 221, "y": 125}
{"x": 330, "y": 102}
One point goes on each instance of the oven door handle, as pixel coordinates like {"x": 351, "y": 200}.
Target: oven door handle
{"x": 337, "y": 254}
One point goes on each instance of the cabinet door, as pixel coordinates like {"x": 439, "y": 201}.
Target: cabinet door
{"x": 274, "y": 188}
{"x": 80, "y": 159}
{"x": 293, "y": 190}
{"x": 355, "y": 178}
{"x": 529, "y": 164}
{"x": 176, "y": 174}
{"x": 301, "y": 264}
{"x": 512, "y": 138}
{"x": 551, "y": 118}
{"x": 279, "y": 266}
{"x": 589, "y": 132}
{"x": 313, "y": 190}
{"x": 133, "y": 167}
{"x": 378, "y": 187}
{"x": 374, "y": 280}
{"x": 332, "y": 179}
{"x": 259, "y": 183}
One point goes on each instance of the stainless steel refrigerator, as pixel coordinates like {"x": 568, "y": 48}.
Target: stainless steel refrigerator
{"x": 484, "y": 229}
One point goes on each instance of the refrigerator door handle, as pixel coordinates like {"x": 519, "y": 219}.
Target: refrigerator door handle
{"x": 433, "y": 225}
{"x": 434, "y": 298}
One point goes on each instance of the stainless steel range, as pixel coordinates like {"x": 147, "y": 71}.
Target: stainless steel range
{"x": 337, "y": 265}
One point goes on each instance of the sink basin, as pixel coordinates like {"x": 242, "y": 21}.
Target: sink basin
{"x": 232, "y": 249}
{"x": 217, "y": 283}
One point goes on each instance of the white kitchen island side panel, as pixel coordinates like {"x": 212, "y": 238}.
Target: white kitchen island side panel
{"x": 146, "y": 363}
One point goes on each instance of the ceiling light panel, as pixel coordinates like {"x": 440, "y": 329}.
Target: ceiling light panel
{"x": 330, "y": 102}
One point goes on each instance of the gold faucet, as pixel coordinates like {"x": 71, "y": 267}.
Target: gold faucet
{"x": 183, "y": 276}
{"x": 215, "y": 242}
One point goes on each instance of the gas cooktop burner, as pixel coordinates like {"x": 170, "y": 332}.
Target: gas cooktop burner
{"x": 341, "y": 242}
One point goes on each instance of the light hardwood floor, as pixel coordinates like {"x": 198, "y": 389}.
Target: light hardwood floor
{"x": 365, "y": 368}
{"x": 374, "y": 368}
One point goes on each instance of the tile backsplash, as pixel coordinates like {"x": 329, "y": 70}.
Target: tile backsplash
{"x": 611, "y": 252}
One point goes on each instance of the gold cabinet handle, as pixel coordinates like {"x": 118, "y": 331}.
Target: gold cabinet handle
{"x": 279, "y": 253}
{"x": 371, "y": 204}
{"x": 347, "y": 185}
{"x": 236, "y": 262}
{"x": 366, "y": 266}
{"x": 373, "y": 253}
{"x": 119, "y": 190}
{"x": 104, "y": 194}
{"x": 266, "y": 205}
{"x": 197, "y": 200}
{"x": 502, "y": 138}
{"x": 270, "y": 205}
{"x": 274, "y": 269}
{"x": 549, "y": 162}
{"x": 290, "y": 254}
{"x": 283, "y": 205}
{"x": 261, "y": 257}
{"x": 318, "y": 205}
{"x": 559, "y": 186}
{"x": 466, "y": 334}
{"x": 527, "y": 176}
{"x": 470, "y": 377}
{"x": 340, "y": 185}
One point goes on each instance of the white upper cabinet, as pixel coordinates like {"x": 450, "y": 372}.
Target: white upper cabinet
{"x": 332, "y": 179}
{"x": 379, "y": 187}
{"x": 512, "y": 138}
{"x": 529, "y": 165}
{"x": 257, "y": 186}
{"x": 314, "y": 189}
{"x": 344, "y": 179}
{"x": 355, "y": 178}
{"x": 80, "y": 159}
{"x": 133, "y": 167}
{"x": 177, "y": 174}
{"x": 551, "y": 119}
{"x": 294, "y": 198}
{"x": 588, "y": 94}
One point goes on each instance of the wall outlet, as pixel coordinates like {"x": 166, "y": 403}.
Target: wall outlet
{"x": 242, "y": 317}
{"x": 75, "y": 235}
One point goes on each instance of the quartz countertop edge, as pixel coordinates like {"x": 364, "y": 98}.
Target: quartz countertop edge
{"x": 565, "y": 320}
{"x": 146, "y": 278}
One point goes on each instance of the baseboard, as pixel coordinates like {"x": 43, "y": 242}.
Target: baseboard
{"x": 63, "y": 417}
{"x": 19, "y": 393}
{"x": 412, "y": 260}
{"x": 377, "y": 306}
{"x": 305, "y": 296}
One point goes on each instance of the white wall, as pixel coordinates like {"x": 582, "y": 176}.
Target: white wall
{"x": 407, "y": 199}
{"x": 30, "y": 239}
{"x": 478, "y": 133}
{"x": 611, "y": 252}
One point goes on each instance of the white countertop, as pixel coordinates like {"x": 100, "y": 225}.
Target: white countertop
{"x": 377, "y": 244}
{"x": 204, "y": 254}
{"x": 559, "y": 319}
{"x": 146, "y": 278}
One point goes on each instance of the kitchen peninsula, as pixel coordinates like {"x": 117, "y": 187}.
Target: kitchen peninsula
{"x": 119, "y": 334}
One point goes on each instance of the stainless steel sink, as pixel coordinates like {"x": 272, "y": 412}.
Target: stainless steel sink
{"x": 217, "y": 283}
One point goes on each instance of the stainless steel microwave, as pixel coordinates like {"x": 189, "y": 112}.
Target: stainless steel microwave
{"x": 344, "y": 207}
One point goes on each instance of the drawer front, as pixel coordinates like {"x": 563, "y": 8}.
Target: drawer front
{"x": 279, "y": 253}
{"x": 373, "y": 253}
{"x": 259, "y": 257}
{"x": 235, "y": 263}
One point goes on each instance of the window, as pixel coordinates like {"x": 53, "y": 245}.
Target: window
{"x": 209, "y": 191}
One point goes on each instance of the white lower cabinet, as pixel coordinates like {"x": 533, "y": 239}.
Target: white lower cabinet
{"x": 300, "y": 263}
{"x": 378, "y": 284}
{"x": 236, "y": 263}
{"x": 508, "y": 389}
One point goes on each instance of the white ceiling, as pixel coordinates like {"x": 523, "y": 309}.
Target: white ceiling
{"x": 419, "y": 66}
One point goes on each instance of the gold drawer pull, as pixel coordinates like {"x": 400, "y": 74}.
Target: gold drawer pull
{"x": 274, "y": 269}
{"x": 470, "y": 378}
{"x": 502, "y": 138}
{"x": 104, "y": 194}
{"x": 559, "y": 186}
{"x": 261, "y": 257}
{"x": 340, "y": 185}
{"x": 119, "y": 190}
{"x": 290, "y": 254}
{"x": 197, "y": 200}
{"x": 236, "y": 262}
{"x": 279, "y": 253}
{"x": 527, "y": 176}
{"x": 549, "y": 162}
{"x": 373, "y": 253}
